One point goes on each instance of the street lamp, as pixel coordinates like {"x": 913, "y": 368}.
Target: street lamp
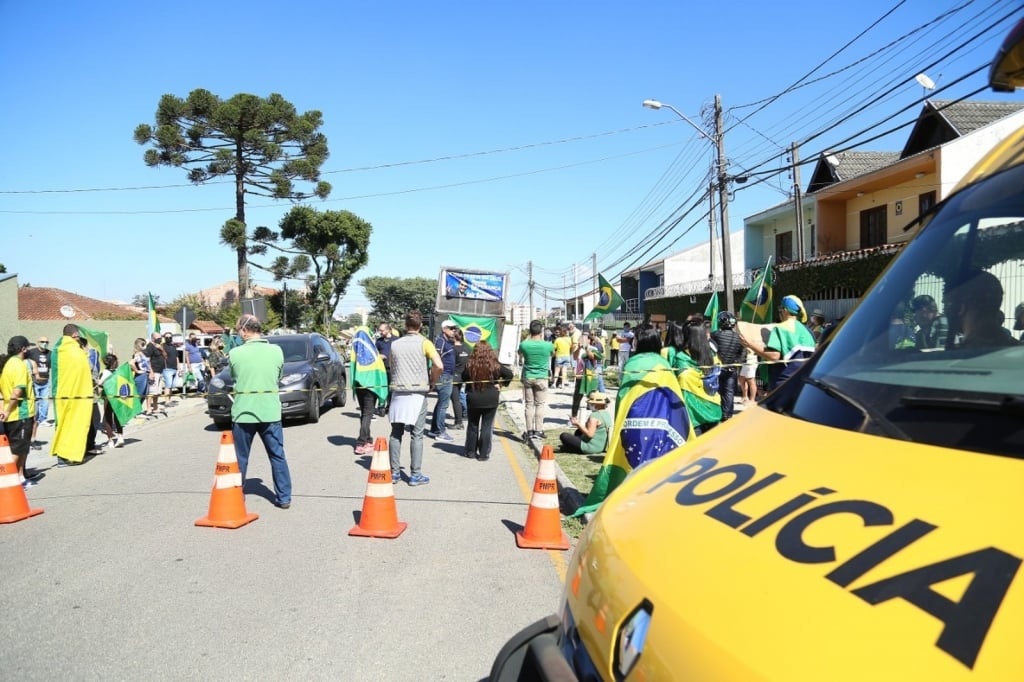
{"x": 722, "y": 181}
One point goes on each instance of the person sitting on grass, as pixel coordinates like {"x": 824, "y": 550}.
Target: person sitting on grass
{"x": 590, "y": 438}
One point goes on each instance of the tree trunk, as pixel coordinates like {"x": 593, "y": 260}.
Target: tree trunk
{"x": 241, "y": 252}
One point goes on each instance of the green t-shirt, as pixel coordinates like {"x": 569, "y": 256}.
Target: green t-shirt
{"x": 256, "y": 366}
{"x": 599, "y": 442}
{"x": 536, "y": 358}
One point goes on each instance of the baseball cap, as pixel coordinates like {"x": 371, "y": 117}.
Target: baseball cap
{"x": 448, "y": 324}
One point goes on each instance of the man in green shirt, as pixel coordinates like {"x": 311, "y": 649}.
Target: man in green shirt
{"x": 256, "y": 366}
{"x": 536, "y": 354}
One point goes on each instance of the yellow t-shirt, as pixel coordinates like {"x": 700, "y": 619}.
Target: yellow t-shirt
{"x": 563, "y": 344}
{"x": 15, "y": 375}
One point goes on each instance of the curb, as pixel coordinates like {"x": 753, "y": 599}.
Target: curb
{"x": 569, "y": 498}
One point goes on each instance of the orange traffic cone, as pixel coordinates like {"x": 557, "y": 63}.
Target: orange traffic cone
{"x": 13, "y": 503}
{"x": 543, "y": 528}
{"x": 379, "y": 518}
{"x": 227, "y": 501}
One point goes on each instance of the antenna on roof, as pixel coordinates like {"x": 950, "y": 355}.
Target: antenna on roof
{"x": 925, "y": 82}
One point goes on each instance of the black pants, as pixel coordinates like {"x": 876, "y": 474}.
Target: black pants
{"x": 457, "y": 402}
{"x": 382, "y": 410}
{"x": 571, "y": 442}
{"x": 94, "y": 427}
{"x": 577, "y": 396}
{"x": 727, "y": 389}
{"x": 479, "y": 431}
{"x": 110, "y": 419}
{"x": 367, "y": 402}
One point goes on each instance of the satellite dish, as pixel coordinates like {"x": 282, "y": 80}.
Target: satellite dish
{"x": 924, "y": 81}
{"x": 67, "y": 311}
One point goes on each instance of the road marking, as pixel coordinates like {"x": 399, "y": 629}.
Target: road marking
{"x": 557, "y": 558}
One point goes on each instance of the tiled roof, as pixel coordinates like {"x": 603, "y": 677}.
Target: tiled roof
{"x": 226, "y": 293}
{"x": 44, "y": 303}
{"x": 833, "y": 167}
{"x": 207, "y": 327}
{"x": 967, "y": 116}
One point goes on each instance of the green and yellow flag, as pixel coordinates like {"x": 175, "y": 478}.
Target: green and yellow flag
{"x": 367, "y": 369}
{"x": 608, "y": 300}
{"x": 711, "y": 311}
{"x": 152, "y": 321}
{"x": 650, "y": 420}
{"x": 757, "y": 304}
{"x": 477, "y": 329}
{"x": 119, "y": 388}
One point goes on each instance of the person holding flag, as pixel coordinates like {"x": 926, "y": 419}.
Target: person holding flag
{"x": 121, "y": 403}
{"x": 650, "y": 417}
{"x": 757, "y": 304}
{"x": 72, "y": 390}
{"x": 788, "y": 344}
{"x": 370, "y": 382}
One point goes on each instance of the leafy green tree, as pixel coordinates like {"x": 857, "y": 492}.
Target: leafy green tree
{"x": 262, "y": 144}
{"x": 393, "y": 297}
{"x": 327, "y": 247}
{"x": 142, "y": 300}
{"x": 199, "y": 307}
{"x": 354, "y": 320}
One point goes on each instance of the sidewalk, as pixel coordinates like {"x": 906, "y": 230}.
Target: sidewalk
{"x": 557, "y": 419}
{"x": 41, "y": 459}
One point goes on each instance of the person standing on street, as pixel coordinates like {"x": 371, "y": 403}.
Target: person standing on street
{"x": 484, "y": 377}
{"x": 194, "y": 363}
{"x": 157, "y": 362}
{"x": 411, "y": 383}
{"x": 74, "y": 398}
{"x": 732, "y": 354}
{"x": 383, "y": 343}
{"x": 40, "y": 357}
{"x": 535, "y": 354}
{"x": 446, "y": 351}
{"x": 458, "y": 395}
{"x": 256, "y": 366}
{"x": 625, "y": 347}
{"x": 17, "y": 411}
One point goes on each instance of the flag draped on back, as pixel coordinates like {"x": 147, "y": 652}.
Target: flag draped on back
{"x": 650, "y": 420}
{"x": 477, "y": 329}
{"x": 700, "y": 389}
{"x": 711, "y": 311}
{"x": 95, "y": 339}
{"x": 757, "y": 304}
{"x": 608, "y": 300}
{"x": 153, "y": 322}
{"x": 367, "y": 365}
{"x": 119, "y": 388}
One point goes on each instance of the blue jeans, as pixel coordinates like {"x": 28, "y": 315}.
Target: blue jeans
{"x": 416, "y": 447}
{"x": 272, "y": 436}
{"x": 42, "y": 392}
{"x": 444, "y": 396}
{"x": 169, "y": 375}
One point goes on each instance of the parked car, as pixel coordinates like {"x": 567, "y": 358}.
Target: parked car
{"x": 313, "y": 373}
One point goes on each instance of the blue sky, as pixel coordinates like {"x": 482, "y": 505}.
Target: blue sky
{"x": 475, "y": 135}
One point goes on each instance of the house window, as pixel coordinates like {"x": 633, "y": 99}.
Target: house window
{"x": 872, "y": 227}
{"x": 784, "y": 247}
{"x": 925, "y": 202}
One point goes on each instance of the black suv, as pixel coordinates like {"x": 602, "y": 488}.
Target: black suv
{"x": 313, "y": 373}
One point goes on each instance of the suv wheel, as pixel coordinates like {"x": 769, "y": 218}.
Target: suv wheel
{"x": 315, "y": 401}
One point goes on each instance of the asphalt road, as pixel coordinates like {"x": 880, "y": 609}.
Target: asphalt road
{"x": 114, "y": 581}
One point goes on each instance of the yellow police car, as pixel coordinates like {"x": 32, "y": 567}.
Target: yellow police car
{"x": 865, "y": 522}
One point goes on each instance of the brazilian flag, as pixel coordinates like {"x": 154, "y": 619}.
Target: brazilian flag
{"x": 119, "y": 389}
{"x": 477, "y": 329}
{"x": 368, "y": 366}
{"x": 711, "y": 311}
{"x": 757, "y": 304}
{"x": 608, "y": 300}
{"x": 650, "y": 421}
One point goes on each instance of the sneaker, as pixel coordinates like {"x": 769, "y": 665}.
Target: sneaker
{"x": 396, "y": 478}
{"x": 445, "y": 436}
{"x": 457, "y": 426}
{"x": 482, "y": 458}
{"x": 431, "y": 434}
{"x": 119, "y": 442}
{"x": 33, "y": 476}
{"x": 418, "y": 479}
{"x": 36, "y": 446}
{"x": 28, "y": 484}
{"x": 363, "y": 449}
{"x": 537, "y": 435}
{"x": 98, "y": 450}
{"x": 61, "y": 463}
{"x": 283, "y": 505}
{"x": 373, "y": 417}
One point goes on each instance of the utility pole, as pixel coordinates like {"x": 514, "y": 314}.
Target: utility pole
{"x": 529, "y": 267}
{"x": 711, "y": 233}
{"x": 565, "y": 299}
{"x": 575, "y": 292}
{"x": 723, "y": 203}
{"x": 284, "y": 307}
{"x": 798, "y": 201}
